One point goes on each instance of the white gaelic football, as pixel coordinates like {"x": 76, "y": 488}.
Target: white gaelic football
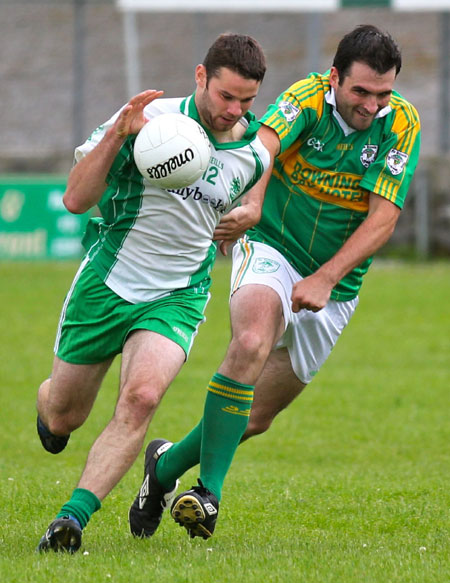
{"x": 172, "y": 151}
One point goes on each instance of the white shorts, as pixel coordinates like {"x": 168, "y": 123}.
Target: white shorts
{"x": 308, "y": 336}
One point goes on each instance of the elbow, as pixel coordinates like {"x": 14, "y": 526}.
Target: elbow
{"x": 390, "y": 226}
{"x": 390, "y": 232}
{"x": 71, "y": 203}
{"x": 384, "y": 235}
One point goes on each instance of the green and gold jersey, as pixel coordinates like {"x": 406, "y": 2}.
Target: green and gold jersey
{"x": 319, "y": 191}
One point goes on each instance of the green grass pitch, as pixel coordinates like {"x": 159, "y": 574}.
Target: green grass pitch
{"x": 350, "y": 485}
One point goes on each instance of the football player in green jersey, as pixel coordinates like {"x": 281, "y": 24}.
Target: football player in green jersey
{"x": 345, "y": 146}
{"x": 143, "y": 285}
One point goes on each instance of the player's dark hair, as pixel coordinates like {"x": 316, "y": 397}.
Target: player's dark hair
{"x": 367, "y": 44}
{"x": 238, "y": 52}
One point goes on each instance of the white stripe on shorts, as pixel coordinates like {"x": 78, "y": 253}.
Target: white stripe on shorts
{"x": 66, "y": 302}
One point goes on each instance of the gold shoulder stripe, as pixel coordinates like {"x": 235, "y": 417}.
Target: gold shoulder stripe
{"x": 309, "y": 93}
{"x": 387, "y": 187}
{"x": 406, "y": 124}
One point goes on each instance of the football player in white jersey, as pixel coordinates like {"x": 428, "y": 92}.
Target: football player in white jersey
{"x": 143, "y": 286}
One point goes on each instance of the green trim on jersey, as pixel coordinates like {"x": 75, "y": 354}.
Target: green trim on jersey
{"x": 319, "y": 191}
{"x": 204, "y": 269}
{"x": 259, "y": 170}
{"x": 151, "y": 241}
{"x": 119, "y": 207}
{"x": 189, "y": 108}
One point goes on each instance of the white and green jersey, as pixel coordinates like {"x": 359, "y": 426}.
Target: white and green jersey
{"x": 150, "y": 241}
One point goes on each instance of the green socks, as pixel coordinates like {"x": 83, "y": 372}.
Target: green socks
{"x": 179, "y": 458}
{"x": 81, "y": 506}
{"x": 225, "y": 419}
{"x": 214, "y": 440}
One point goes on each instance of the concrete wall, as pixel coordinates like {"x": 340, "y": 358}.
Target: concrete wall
{"x": 37, "y": 68}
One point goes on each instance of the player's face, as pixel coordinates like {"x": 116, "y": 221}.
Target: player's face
{"x": 362, "y": 94}
{"x": 225, "y": 99}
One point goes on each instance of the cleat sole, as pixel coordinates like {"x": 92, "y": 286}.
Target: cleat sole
{"x": 188, "y": 513}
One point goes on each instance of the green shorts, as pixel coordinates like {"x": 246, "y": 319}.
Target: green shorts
{"x": 95, "y": 322}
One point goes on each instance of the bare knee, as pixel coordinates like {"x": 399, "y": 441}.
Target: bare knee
{"x": 249, "y": 347}
{"x": 262, "y": 416}
{"x": 66, "y": 398}
{"x": 64, "y": 423}
{"x": 60, "y": 417}
{"x": 138, "y": 403}
{"x": 256, "y": 426}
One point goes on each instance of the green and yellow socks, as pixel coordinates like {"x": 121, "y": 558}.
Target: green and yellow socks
{"x": 215, "y": 439}
{"x": 225, "y": 418}
{"x": 212, "y": 442}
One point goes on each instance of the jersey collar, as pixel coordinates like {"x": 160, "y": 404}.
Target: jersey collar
{"x": 189, "y": 108}
{"x": 330, "y": 98}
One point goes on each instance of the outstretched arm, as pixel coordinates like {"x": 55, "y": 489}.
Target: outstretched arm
{"x": 87, "y": 179}
{"x": 234, "y": 224}
{"x": 313, "y": 292}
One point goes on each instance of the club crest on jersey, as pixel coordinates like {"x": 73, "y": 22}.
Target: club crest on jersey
{"x": 265, "y": 265}
{"x": 396, "y": 161}
{"x": 368, "y": 155}
{"x": 235, "y": 188}
{"x": 289, "y": 110}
